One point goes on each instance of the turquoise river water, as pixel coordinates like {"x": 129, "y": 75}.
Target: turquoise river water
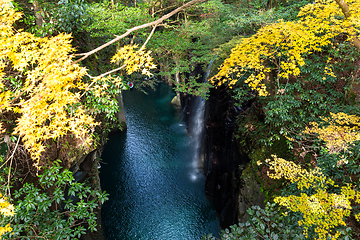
{"x": 156, "y": 187}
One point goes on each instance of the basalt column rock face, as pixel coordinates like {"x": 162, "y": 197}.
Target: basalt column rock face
{"x": 222, "y": 156}
{"x": 88, "y": 169}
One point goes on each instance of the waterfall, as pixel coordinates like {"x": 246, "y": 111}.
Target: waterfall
{"x": 197, "y": 130}
{"x": 147, "y": 175}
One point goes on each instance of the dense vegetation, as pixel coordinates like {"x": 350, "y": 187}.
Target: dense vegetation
{"x": 296, "y": 62}
{"x": 303, "y": 75}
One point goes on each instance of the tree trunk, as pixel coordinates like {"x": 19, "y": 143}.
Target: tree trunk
{"x": 39, "y": 20}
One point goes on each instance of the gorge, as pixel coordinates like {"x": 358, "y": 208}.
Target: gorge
{"x": 156, "y": 185}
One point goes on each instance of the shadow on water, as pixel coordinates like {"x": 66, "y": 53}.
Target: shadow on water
{"x": 156, "y": 190}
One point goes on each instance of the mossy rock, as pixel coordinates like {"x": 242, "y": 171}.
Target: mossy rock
{"x": 279, "y": 148}
{"x": 270, "y": 188}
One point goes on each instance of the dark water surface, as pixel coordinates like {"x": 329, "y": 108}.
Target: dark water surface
{"x": 156, "y": 190}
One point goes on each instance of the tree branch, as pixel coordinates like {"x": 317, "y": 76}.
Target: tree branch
{"x": 87, "y": 54}
{"x": 344, "y": 8}
{"x": 123, "y": 66}
{"x": 346, "y": 11}
{"x": 147, "y": 40}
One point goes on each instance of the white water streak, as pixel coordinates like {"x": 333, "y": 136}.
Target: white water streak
{"x": 197, "y": 130}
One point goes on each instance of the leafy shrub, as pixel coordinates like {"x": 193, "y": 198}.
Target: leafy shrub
{"x": 267, "y": 223}
{"x": 57, "y": 208}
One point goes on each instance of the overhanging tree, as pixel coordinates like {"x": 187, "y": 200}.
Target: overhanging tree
{"x": 44, "y": 102}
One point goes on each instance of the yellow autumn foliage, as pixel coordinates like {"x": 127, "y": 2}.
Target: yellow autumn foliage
{"x": 338, "y": 131}
{"x": 50, "y": 78}
{"x": 322, "y": 210}
{"x": 283, "y": 46}
{"x": 41, "y": 89}
{"x": 48, "y": 101}
{"x": 5, "y": 229}
{"x": 6, "y": 209}
{"x": 135, "y": 60}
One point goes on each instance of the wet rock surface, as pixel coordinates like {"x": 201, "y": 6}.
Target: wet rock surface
{"x": 222, "y": 158}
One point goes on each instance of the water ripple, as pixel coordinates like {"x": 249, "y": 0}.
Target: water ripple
{"x": 156, "y": 188}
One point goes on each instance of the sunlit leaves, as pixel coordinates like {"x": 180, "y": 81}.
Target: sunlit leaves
{"x": 46, "y": 100}
{"x": 48, "y": 89}
{"x": 337, "y": 131}
{"x": 6, "y": 210}
{"x": 135, "y": 60}
{"x": 283, "y": 46}
{"x": 287, "y": 41}
{"x": 51, "y": 85}
{"x": 5, "y": 229}
{"x": 320, "y": 208}
{"x": 8, "y": 16}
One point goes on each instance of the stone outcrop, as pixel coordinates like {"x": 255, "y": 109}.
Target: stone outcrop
{"x": 223, "y": 156}
{"x": 121, "y": 113}
{"x": 250, "y": 195}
